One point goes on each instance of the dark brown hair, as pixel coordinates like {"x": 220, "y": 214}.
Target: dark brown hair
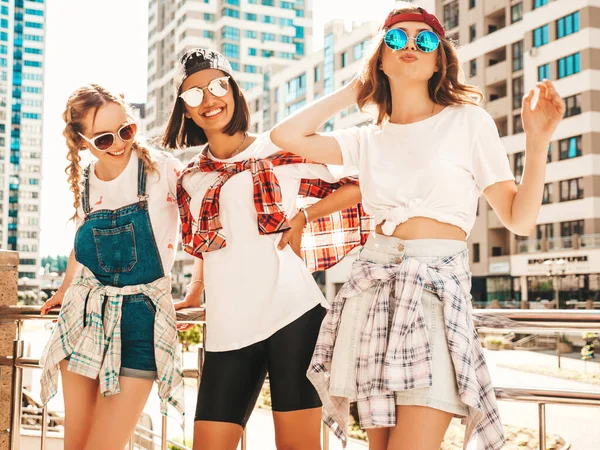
{"x": 183, "y": 132}
{"x": 81, "y": 102}
{"x": 444, "y": 87}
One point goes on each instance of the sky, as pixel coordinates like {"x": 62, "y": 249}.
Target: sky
{"x": 105, "y": 42}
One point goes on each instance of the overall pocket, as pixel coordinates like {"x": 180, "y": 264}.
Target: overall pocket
{"x": 115, "y": 248}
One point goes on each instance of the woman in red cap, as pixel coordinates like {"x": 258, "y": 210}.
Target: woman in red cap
{"x": 399, "y": 339}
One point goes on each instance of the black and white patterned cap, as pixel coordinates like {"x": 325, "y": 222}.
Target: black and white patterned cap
{"x": 198, "y": 59}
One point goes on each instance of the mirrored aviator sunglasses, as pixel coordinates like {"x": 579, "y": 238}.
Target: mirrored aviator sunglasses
{"x": 426, "y": 41}
{"x": 218, "y": 87}
{"x": 105, "y": 141}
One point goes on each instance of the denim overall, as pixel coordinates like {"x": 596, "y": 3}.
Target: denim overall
{"x": 119, "y": 248}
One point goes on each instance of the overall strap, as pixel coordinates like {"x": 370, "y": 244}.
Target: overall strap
{"x": 85, "y": 198}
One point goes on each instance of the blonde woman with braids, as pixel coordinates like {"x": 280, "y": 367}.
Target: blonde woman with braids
{"x": 116, "y": 332}
{"x": 399, "y": 339}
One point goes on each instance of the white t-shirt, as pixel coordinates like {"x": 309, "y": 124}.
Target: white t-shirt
{"x": 252, "y": 288}
{"x": 436, "y": 168}
{"x": 162, "y": 199}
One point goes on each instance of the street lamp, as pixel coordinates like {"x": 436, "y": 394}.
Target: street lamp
{"x": 556, "y": 268}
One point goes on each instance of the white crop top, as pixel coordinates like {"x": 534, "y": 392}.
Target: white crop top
{"x": 436, "y": 168}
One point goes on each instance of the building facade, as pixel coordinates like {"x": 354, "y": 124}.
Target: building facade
{"x": 506, "y": 46}
{"x": 252, "y": 34}
{"x": 22, "y": 36}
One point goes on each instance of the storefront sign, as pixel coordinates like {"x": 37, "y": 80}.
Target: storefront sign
{"x": 566, "y": 259}
{"x": 499, "y": 267}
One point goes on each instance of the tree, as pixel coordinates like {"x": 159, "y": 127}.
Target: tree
{"x": 189, "y": 337}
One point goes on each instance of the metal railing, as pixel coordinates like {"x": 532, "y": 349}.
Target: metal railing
{"x": 559, "y": 243}
{"x": 488, "y": 320}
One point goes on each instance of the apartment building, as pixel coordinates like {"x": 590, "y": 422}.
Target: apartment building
{"x": 22, "y": 48}
{"x": 506, "y": 46}
{"x": 252, "y": 34}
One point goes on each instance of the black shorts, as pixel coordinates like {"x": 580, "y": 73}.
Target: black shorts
{"x": 232, "y": 380}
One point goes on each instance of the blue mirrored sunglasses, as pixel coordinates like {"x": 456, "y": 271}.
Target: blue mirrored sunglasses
{"x": 426, "y": 41}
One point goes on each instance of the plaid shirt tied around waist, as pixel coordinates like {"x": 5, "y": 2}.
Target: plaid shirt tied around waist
{"x": 325, "y": 241}
{"x": 92, "y": 338}
{"x": 399, "y": 358}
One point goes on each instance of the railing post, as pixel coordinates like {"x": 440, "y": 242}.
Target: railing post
{"x": 163, "y": 434}
{"x": 44, "y": 433}
{"x": 9, "y": 262}
{"x": 243, "y": 441}
{"x": 17, "y": 391}
{"x": 542, "y": 425}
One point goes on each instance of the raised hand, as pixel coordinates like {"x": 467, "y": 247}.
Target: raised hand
{"x": 541, "y": 118}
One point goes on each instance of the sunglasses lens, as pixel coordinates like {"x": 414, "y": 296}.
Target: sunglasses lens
{"x": 396, "y": 39}
{"x": 104, "y": 142}
{"x": 219, "y": 87}
{"x": 193, "y": 97}
{"x": 128, "y": 132}
{"x": 427, "y": 41}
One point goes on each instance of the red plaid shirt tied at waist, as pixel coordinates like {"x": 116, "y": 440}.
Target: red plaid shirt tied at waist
{"x": 325, "y": 241}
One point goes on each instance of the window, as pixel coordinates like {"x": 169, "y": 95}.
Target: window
{"x": 570, "y": 147}
{"x": 268, "y": 2}
{"x": 473, "y": 67}
{"x": 517, "y": 56}
{"x": 547, "y": 198}
{"x": 517, "y": 87}
{"x": 286, "y": 5}
{"x": 545, "y": 230}
{"x": 451, "y": 15}
{"x": 231, "y": 50}
{"x": 517, "y": 124}
{"x": 230, "y": 33}
{"x": 573, "y": 105}
{"x": 266, "y": 53}
{"x": 250, "y": 34}
{"x": 544, "y": 72}
{"x": 286, "y": 55}
{"x": 33, "y": 25}
{"x": 567, "y": 25}
{"x": 540, "y": 36}
{"x": 285, "y": 22}
{"x": 299, "y": 32}
{"x": 569, "y": 65}
{"x": 268, "y": 36}
{"x": 519, "y": 165}
{"x": 571, "y": 189}
{"x": 208, "y": 34}
{"x": 209, "y": 17}
{"x": 317, "y": 74}
{"x": 250, "y": 16}
{"x": 286, "y": 39}
{"x": 233, "y": 2}
{"x": 359, "y": 50}
{"x": 344, "y": 59}
{"x": 299, "y": 48}
{"x": 251, "y": 51}
{"x": 538, "y": 3}
{"x": 235, "y": 66}
{"x": 295, "y": 89}
{"x": 549, "y": 157}
{"x": 299, "y": 13}
{"x": 472, "y": 4}
{"x": 268, "y": 19}
{"x": 472, "y": 32}
{"x": 34, "y": 37}
{"x": 250, "y": 68}
{"x": 476, "y": 255}
{"x": 228, "y": 12}
{"x": 516, "y": 12}
{"x": 569, "y": 229}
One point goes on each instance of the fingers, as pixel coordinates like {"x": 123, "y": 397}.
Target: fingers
{"x": 527, "y": 99}
{"x": 285, "y": 239}
{"x": 48, "y": 306}
{"x": 184, "y": 326}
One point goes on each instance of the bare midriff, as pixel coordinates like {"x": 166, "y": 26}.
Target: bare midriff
{"x": 425, "y": 228}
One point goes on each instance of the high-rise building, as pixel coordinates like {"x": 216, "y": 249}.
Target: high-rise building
{"x": 22, "y": 35}
{"x": 252, "y": 34}
{"x": 506, "y": 47}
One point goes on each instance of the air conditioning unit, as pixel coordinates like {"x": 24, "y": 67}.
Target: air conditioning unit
{"x": 533, "y": 52}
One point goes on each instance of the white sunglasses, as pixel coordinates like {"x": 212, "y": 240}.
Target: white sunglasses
{"x": 218, "y": 87}
{"x": 105, "y": 141}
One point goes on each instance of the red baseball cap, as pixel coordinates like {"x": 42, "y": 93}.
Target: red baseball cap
{"x": 423, "y": 16}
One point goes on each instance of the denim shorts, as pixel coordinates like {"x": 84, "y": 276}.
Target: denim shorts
{"x": 137, "y": 337}
{"x": 443, "y": 393}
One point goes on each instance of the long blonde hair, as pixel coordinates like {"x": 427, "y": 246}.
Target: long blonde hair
{"x": 80, "y": 103}
{"x": 444, "y": 87}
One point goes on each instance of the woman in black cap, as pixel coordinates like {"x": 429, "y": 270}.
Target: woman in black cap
{"x": 237, "y": 200}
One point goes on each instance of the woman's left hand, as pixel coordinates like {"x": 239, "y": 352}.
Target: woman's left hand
{"x": 293, "y": 236}
{"x": 541, "y": 121}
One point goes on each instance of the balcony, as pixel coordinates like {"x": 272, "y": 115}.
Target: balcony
{"x": 574, "y": 242}
{"x": 498, "y": 109}
{"x": 496, "y": 73}
{"x": 493, "y": 222}
{"x": 497, "y": 20}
